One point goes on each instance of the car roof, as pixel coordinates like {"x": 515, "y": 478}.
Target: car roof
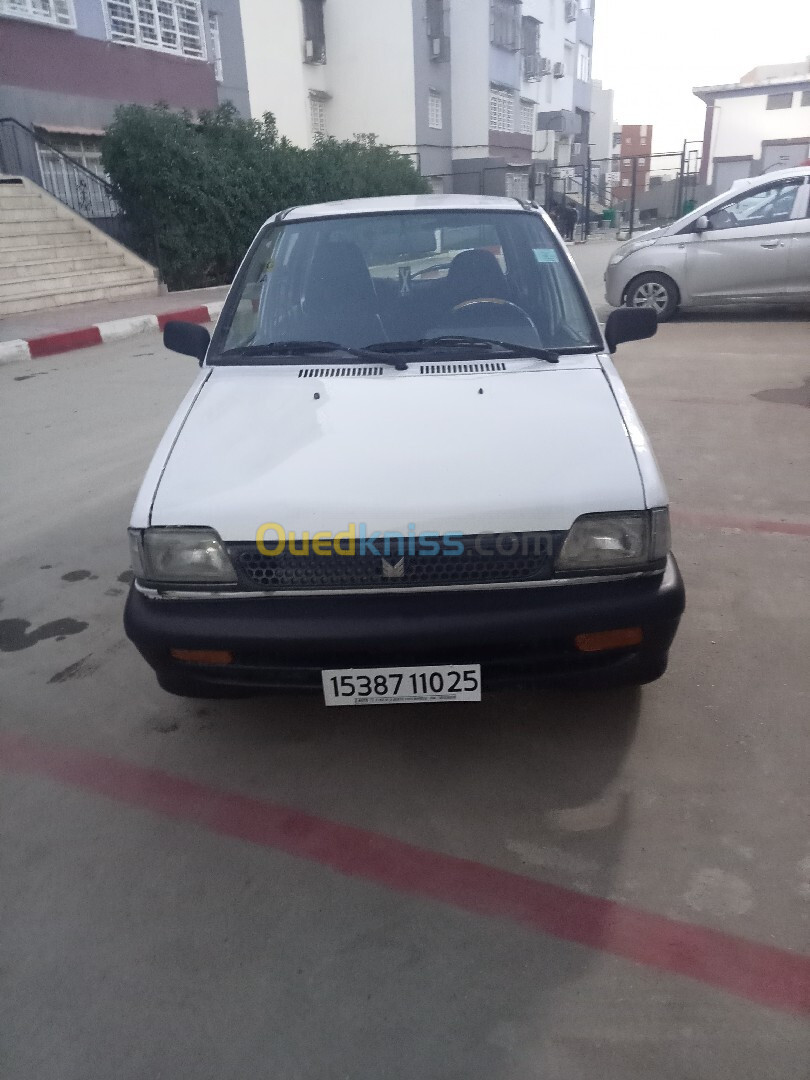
{"x": 767, "y": 177}
{"x": 400, "y": 204}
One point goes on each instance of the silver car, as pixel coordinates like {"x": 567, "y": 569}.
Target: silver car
{"x": 751, "y": 243}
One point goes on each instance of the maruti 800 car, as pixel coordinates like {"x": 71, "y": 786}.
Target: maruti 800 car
{"x": 407, "y": 470}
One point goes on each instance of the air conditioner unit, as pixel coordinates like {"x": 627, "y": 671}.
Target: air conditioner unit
{"x": 533, "y": 68}
{"x": 440, "y": 47}
{"x": 571, "y": 10}
{"x": 559, "y": 70}
{"x": 545, "y": 66}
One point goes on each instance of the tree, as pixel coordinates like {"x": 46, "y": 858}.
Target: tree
{"x": 195, "y": 191}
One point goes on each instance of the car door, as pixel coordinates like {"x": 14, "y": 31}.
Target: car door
{"x": 798, "y": 283}
{"x": 744, "y": 251}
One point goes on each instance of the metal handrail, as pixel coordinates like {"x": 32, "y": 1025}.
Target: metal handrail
{"x": 71, "y": 183}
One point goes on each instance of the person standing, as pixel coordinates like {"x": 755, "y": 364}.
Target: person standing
{"x": 571, "y": 219}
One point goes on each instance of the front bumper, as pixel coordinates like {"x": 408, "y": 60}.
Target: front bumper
{"x": 517, "y": 635}
{"x": 616, "y": 279}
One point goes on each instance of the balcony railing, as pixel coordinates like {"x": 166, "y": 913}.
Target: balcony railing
{"x": 24, "y": 153}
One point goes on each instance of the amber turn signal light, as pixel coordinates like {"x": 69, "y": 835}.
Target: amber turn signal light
{"x": 609, "y": 639}
{"x": 202, "y": 656}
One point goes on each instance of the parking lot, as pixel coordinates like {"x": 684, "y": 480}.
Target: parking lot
{"x": 542, "y": 885}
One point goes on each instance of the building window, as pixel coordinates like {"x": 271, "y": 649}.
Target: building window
{"x": 317, "y": 115}
{"x": 435, "y": 18}
{"x": 63, "y": 181}
{"x": 436, "y": 184}
{"x": 526, "y": 119}
{"x": 216, "y": 44}
{"x": 530, "y": 36}
{"x": 434, "y": 109}
{"x": 584, "y": 63}
{"x": 314, "y": 32}
{"x": 805, "y": 97}
{"x": 779, "y": 101}
{"x": 53, "y": 12}
{"x": 504, "y": 24}
{"x": 168, "y": 25}
{"x": 642, "y": 163}
{"x": 501, "y": 110}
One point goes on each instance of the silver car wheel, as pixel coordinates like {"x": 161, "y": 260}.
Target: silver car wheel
{"x": 650, "y": 294}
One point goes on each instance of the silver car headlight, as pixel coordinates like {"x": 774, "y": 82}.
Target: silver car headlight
{"x": 189, "y": 556}
{"x": 605, "y": 541}
{"x": 628, "y": 249}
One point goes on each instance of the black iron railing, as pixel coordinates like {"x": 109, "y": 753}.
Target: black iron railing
{"x": 25, "y": 153}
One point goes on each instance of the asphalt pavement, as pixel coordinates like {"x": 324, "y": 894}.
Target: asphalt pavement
{"x": 542, "y": 885}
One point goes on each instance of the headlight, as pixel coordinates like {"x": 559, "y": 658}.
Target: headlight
{"x": 602, "y": 541}
{"x": 628, "y": 249}
{"x": 180, "y": 556}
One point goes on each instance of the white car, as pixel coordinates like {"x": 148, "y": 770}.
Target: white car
{"x": 407, "y": 471}
{"x": 751, "y": 243}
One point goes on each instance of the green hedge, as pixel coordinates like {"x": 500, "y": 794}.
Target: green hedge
{"x": 195, "y": 191}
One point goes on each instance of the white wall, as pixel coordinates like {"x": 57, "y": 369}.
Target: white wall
{"x": 740, "y": 124}
{"x": 370, "y": 69}
{"x": 368, "y": 73}
{"x": 469, "y": 46}
{"x": 273, "y": 32}
{"x": 601, "y": 121}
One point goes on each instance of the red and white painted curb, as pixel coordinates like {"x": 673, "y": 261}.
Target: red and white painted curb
{"x": 103, "y": 333}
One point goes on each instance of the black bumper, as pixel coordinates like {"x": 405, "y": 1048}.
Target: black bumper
{"x": 517, "y": 635}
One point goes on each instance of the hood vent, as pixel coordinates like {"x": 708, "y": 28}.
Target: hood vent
{"x": 464, "y": 368}
{"x": 338, "y": 372}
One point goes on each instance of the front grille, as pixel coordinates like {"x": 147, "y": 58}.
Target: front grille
{"x": 532, "y": 560}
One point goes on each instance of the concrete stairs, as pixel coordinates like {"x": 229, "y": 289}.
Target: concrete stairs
{"x": 51, "y": 256}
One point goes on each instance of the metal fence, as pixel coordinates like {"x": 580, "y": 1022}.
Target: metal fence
{"x": 625, "y": 194}
{"x": 25, "y": 153}
{"x": 617, "y": 195}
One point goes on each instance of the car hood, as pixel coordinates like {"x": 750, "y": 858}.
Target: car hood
{"x": 529, "y": 448}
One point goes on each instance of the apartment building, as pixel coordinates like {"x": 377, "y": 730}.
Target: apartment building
{"x": 756, "y": 125}
{"x": 65, "y": 65}
{"x": 477, "y": 91}
{"x": 632, "y": 150}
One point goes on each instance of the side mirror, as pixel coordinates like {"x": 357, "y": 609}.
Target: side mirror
{"x": 629, "y": 324}
{"x": 187, "y": 338}
{"x": 700, "y": 224}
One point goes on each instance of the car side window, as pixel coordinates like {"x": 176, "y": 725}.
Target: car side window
{"x": 765, "y": 206}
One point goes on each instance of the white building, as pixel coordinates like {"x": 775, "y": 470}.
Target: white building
{"x": 758, "y": 124}
{"x": 478, "y": 90}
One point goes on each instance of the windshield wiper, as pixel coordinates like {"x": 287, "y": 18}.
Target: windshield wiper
{"x": 460, "y": 341}
{"x": 294, "y": 349}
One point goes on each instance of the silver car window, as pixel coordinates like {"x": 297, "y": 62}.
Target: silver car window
{"x": 765, "y": 206}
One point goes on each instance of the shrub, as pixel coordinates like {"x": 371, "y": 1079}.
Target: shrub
{"x": 196, "y": 191}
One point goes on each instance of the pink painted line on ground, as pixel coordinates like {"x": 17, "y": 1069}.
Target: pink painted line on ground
{"x": 746, "y": 969}
{"x": 729, "y": 521}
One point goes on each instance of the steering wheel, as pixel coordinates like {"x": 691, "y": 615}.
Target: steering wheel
{"x": 490, "y": 300}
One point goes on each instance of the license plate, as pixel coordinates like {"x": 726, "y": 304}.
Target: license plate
{"x": 402, "y": 685}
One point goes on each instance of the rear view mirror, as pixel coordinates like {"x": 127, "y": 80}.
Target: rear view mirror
{"x": 701, "y": 224}
{"x": 187, "y": 338}
{"x": 629, "y": 324}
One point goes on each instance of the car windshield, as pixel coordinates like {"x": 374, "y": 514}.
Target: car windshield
{"x": 410, "y": 277}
